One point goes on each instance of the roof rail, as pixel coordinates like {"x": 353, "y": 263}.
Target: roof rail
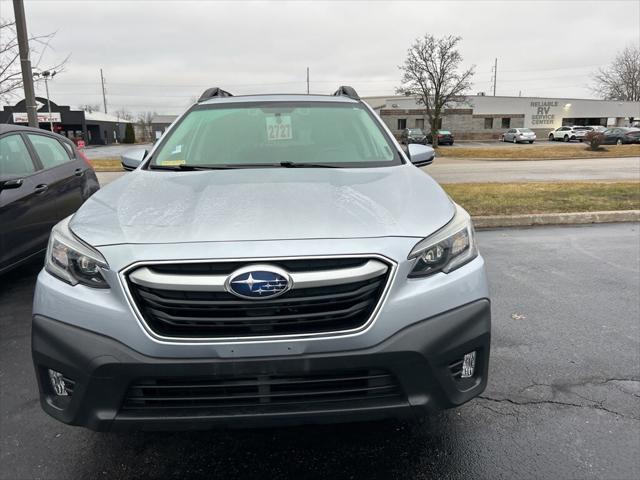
{"x": 347, "y": 92}
{"x": 213, "y": 93}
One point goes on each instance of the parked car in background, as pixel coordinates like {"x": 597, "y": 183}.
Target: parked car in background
{"x": 315, "y": 274}
{"x": 412, "y": 135}
{"x": 581, "y": 132}
{"x": 517, "y": 135}
{"x": 445, "y": 137}
{"x": 42, "y": 180}
{"x": 564, "y": 134}
{"x": 621, "y": 135}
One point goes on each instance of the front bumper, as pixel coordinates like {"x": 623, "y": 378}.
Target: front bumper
{"x": 418, "y": 357}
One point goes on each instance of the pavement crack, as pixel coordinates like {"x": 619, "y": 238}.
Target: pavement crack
{"x": 498, "y": 412}
{"x": 595, "y": 406}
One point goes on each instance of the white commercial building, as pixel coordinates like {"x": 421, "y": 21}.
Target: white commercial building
{"x": 481, "y": 117}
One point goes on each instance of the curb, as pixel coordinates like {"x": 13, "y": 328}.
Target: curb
{"x": 576, "y": 218}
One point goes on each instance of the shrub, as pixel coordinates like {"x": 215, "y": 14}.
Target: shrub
{"x": 129, "y": 135}
{"x": 594, "y": 139}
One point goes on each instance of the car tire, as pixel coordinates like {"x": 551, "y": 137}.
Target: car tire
{"x": 531, "y": 142}
{"x": 551, "y": 138}
{"x": 566, "y": 138}
{"x": 619, "y": 141}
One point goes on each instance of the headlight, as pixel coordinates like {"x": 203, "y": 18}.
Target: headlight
{"x": 449, "y": 248}
{"x": 72, "y": 260}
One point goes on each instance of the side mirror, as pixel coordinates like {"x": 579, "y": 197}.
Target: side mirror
{"x": 131, "y": 159}
{"x": 420, "y": 155}
{"x": 10, "y": 184}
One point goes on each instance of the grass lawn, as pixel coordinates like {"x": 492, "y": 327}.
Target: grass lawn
{"x": 523, "y": 198}
{"x": 107, "y": 165}
{"x": 526, "y": 152}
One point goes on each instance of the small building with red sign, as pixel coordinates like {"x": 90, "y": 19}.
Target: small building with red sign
{"x": 94, "y": 128}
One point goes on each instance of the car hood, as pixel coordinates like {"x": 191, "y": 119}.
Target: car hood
{"x": 263, "y": 204}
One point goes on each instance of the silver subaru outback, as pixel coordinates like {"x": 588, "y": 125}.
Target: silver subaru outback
{"x": 274, "y": 259}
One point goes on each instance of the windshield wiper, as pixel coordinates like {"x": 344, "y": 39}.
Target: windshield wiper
{"x": 187, "y": 167}
{"x": 307, "y": 165}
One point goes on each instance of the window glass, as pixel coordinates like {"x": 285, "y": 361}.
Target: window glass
{"x": 420, "y": 123}
{"x": 506, "y": 122}
{"x": 15, "y": 160}
{"x": 402, "y": 123}
{"x": 49, "y": 150}
{"x": 270, "y": 133}
{"x": 488, "y": 123}
{"x": 69, "y": 149}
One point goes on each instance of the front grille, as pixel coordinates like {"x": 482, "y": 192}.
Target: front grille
{"x": 255, "y": 394}
{"x": 220, "y": 314}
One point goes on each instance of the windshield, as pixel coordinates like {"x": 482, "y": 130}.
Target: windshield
{"x": 275, "y": 133}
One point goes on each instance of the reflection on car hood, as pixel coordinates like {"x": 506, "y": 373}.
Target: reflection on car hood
{"x": 263, "y": 204}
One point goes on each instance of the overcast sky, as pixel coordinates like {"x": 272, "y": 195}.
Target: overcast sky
{"x": 157, "y": 55}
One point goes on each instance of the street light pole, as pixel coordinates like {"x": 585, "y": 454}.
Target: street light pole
{"x": 47, "y": 74}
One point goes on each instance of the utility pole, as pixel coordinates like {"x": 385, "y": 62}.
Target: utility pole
{"x": 307, "y": 80}
{"x": 104, "y": 95}
{"x": 25, "y": 63}
{"x": 495, "y": 76}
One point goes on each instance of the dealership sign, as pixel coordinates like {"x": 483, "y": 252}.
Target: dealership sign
{"x": 541, "y": 114}
{"x": 43, "y": 117}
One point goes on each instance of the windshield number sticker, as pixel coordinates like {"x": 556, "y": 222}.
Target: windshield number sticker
{"x": 279, "y": 128}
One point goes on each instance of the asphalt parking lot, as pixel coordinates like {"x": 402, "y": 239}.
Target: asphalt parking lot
{"x": 563, "y": 399}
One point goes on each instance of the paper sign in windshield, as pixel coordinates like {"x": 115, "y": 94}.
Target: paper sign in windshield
{"x": 279, "y": 128}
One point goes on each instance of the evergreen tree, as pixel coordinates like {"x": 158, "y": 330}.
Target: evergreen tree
{"x": 129, "y": 135}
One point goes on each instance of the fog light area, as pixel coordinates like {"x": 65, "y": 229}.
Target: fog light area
{"x": 58, "y": 382}
{"x": 469, "y": 365}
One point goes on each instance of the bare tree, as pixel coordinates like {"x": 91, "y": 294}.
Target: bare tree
{"x": 10, "y": 70}
{"x": 123, "y": 114}
{"x": 621, "y": 79}
{"x": 144, "y": 122}
{"x": 431, "y": 73}
{"x": 94, "y": 107}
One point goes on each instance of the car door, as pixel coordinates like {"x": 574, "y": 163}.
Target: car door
{"x": 28, "y": 208}
{"x": 64, "y": 175}
{"x": 610, "y": 135}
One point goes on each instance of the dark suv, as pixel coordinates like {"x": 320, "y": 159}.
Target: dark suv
{"x": 413, "y": 135}
{"x": 43, "y": 179}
